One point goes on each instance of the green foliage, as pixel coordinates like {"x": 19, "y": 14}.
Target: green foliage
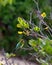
{"x": 21, "y": 15}
{"x": 37, "y": 29}
{"x": 23, "y": 23}
{"x": 33, "y": 44}
{"x": 5, "y": 2}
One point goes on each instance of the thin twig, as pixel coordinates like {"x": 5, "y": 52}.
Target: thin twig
{"x": 42, "y": 21}
{"x": 36, "y": 4}
{"x": 40, "y": 18}
{"x": 30, "y": 17}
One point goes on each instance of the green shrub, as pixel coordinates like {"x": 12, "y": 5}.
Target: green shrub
{"x": 26, "y": 26}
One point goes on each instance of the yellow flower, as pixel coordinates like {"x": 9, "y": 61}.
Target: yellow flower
{"x": 43, "y": 14}
{"x": 20, "y": 32}
{"x": 19, "y": 26}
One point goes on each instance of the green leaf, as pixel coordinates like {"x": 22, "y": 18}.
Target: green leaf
{"x": 10, "y": 1}
{"x": 23, "y": 23}
{"x": 37, "y": 29}
{"x": 47, "y": 47}
{"x": 3, "y": 2}
{"x": 26, "y": 25}
{"x": 33, "y": 44}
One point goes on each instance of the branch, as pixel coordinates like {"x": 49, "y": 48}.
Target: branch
{"x": 36, "y": 4}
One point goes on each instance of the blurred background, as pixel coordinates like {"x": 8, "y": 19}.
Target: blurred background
{"x": 10, "y": 10}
